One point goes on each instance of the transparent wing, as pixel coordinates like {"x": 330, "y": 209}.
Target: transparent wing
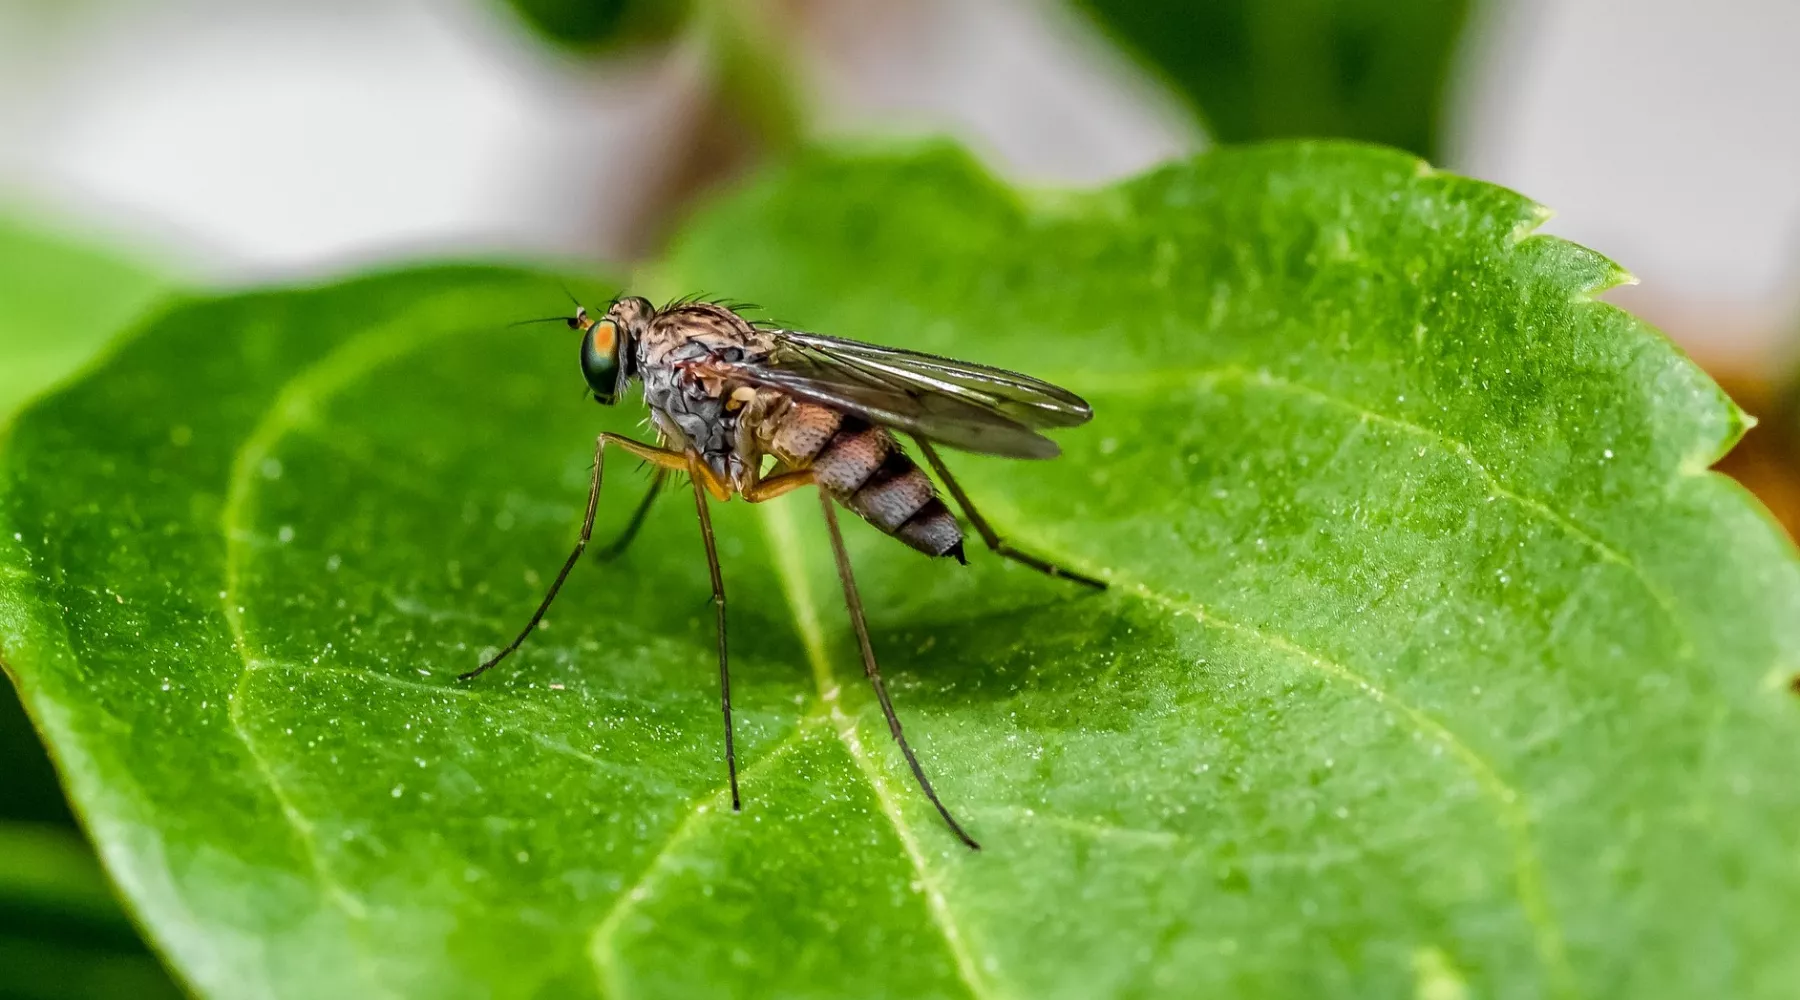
{"x": 1027, "y": 400}
{"x": 967, "y": 406}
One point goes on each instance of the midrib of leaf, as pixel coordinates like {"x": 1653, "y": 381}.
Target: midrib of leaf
{"x": 1510, "y": 803}
{"x": 784, "y": 545}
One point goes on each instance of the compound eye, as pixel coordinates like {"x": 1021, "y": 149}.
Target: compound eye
{"x": 605, "y": 336}
{"x": 600, "y": 360}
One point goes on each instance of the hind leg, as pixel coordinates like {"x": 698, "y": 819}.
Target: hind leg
{"x": 989, "y": 535}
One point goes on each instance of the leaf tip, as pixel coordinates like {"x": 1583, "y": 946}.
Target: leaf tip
{"x": 1609, "y": 277}
{"x": 1535, "y": 218}
{"x": 1738, "y": 422}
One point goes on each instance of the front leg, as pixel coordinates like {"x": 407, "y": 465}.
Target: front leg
{"x": 718, "y": 588}
{"x": 662, "y": 458}
{"x": 704, "y": 477}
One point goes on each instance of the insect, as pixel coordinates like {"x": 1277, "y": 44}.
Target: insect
{"x": 728, "y": 397}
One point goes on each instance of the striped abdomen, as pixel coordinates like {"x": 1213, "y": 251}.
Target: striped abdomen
{"x": 864, "y": 468}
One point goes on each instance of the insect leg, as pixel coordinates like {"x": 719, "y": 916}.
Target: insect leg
{"x": 988, "y": 535}
{"x": 663, "y": 459}
{"x": 617, "y": 547}
{"x": 775, "y": 486}
{"x": 718, "y": 587}
{"x": 854, "y": 603}
{"x": 703, "y": 475}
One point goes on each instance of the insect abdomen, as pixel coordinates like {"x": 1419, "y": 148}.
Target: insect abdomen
{"x": 865, "y": 468}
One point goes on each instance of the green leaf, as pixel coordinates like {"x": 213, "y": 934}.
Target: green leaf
{"x": 45, "y": 867}
{"x": 749, "y": 66}
{"x": 1358, "y": 69}
{"x": 28, "y": 788}
{"x": 59, "y": 301}
{"x": 62, "y": 933}
{"x": 595, "y": 24}
{"x": 1435, "y": 661}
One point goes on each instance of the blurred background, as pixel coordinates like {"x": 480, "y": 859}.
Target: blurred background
{"x": 148, "y": 146}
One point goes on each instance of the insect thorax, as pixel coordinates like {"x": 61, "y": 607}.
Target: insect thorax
{"x": 691, "y": 411}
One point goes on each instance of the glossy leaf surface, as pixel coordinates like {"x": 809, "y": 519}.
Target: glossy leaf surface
{"x": 1435, "y": 662}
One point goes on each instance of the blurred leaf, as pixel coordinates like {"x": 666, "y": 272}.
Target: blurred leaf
{"x": 59, "y": 301}
{"x": 32, "y": 969}
{"x": 752, "y": 76}
{"x": 1435, "y": 662}
{"x": 28, "y": 788}
{"x": 595, "y": 24}
{"x": 1358, "y": 69}
{"x": 62, "y": 934}
{"x": 49, "y": 868}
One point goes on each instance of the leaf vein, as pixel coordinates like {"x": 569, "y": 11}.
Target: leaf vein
{"x": 294, "y": 405}
{"x": 1509, "y": 801}
{"x": 305, "y": 834}
{"x": 601, "y": 949}
{"x": 1212, "y": 377}
{"x": 1515, "y": 816}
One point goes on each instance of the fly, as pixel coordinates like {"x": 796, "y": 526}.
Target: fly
{"x": 725, "y": 395}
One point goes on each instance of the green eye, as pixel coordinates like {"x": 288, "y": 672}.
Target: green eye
{"x": 600, "y": 360}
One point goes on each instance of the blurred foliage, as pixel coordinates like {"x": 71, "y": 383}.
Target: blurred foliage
{"x": 597, "y": 24}
{"x": 1362, "y": 69}
{"x": 62, "y": 935}
{"x": 753, "y": 81}
{"x": 28, "y": 788}
{"x": 1359, "y": 69}
{"x": 60, "y": 299}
